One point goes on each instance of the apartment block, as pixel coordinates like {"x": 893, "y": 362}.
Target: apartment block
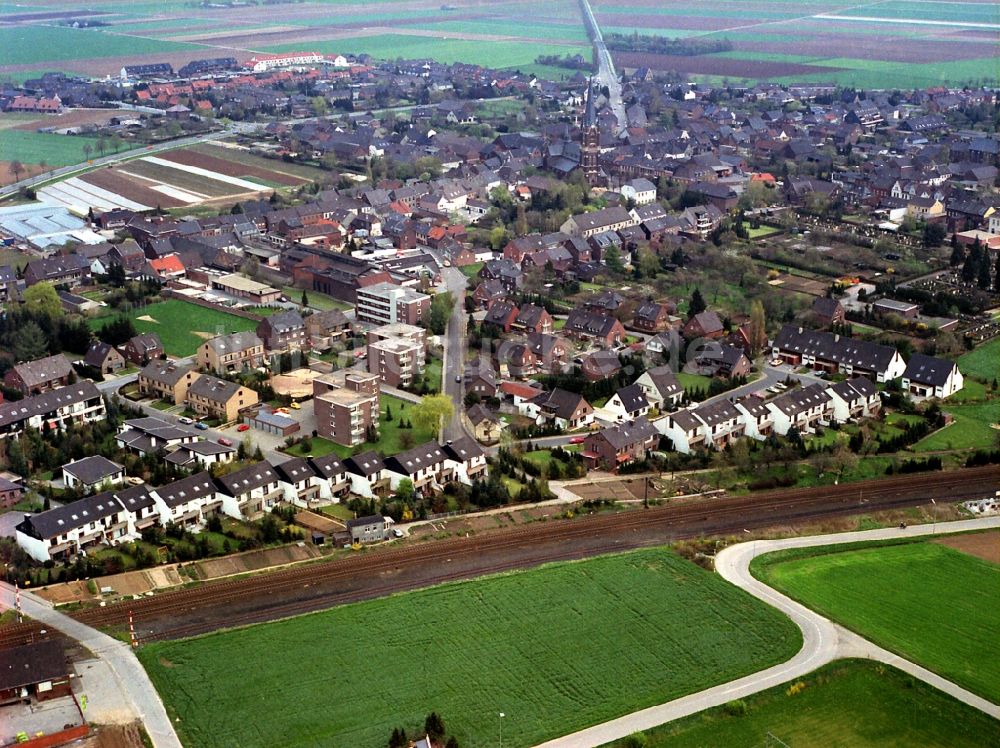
{"x": 396, "y": 361}
{"x": 385, "y": 303}
{"x": 346, "y": 406}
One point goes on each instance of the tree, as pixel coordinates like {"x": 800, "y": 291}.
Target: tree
{"x": 934, "y": 234}
{"x": 441, "y": 306}
{"x": 42, "y": 299}
{"x": 758, "y": 327}
{"x": 957, "y": 253}
{"x": 697, "y": 304}
{"x": 305, "y": 298}
{"x": 87, "y": 150}
{"x": 434, "y": 727}
{"x": 405, "y": 491}
{"x": 649, "y": 263}
{"x": 613, "y": 260}
{"x": 985, "y": 277}
{"x": 996, "y": 274}
{"x": 16, "y": 168}
{"x": 432, "y": 412}
{"x": 970, "y": 270}
{"x": 30, "y": 342}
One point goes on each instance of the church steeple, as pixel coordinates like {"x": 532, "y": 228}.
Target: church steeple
{"x": 591, "y": 141}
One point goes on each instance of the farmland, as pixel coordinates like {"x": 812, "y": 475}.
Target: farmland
{"x": 556, "y": 648}
{"x": 182, "y": 326}
{"x": 846, "y": 703}
{"x": 929, "y": 603}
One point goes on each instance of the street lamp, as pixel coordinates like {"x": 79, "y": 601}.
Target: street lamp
{"x": 934, "y": 518}
{"x": 753, "y": 548}
{"x": 502, "y": 715}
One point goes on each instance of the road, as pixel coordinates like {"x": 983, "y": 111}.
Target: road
{"x": 823, "y": 640}
{"x": 606, "y": 75}
{"x": 120, "y": 686}
{"x": 453, "y": 366}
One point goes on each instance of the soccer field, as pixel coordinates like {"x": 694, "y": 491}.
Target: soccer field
{"x": 934, "y": 605}
{"x": 556, "y": 649}
{"x": 182, "y": 326}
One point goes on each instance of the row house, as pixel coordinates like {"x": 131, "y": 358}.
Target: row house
{"x": 188, "y": 502}
{"x": 64, "y": 531}
{"x": 853, "y": 399}
{"x": 802, "y": 408}
{"x": 627, "y": 404}
{"x": 423, "y": 465}
{"x": 758, "y": 420}
{"x": 283, "y": 331}
{"x": 76, "y": 403}
{"x": 219, "y": 398}
{"x": 167, "y": 381}
{"x": 661, "y": 387}
{"x": 231, "y": 353}
{"x": 251, "y": 491}
{"x": 824, "y": 351}
{"x": 41, "y": 375}
{"x": 618, "y": 445}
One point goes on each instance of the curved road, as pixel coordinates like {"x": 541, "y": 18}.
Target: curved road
{"x": 822, "y": 640}
{"x": 130, "y": 692}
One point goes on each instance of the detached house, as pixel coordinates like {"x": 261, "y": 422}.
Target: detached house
{"x": 661, "y": 387}
{"x": 603, "y": 329}
{"x": 228, "y": 353}
{"x": 652, "y": 316}
{"x": 104, "y": 357}
{"x": 283, "y": 331}
{"x": 142, "y": 349}
{"x": 559, "y": 408}
{"x": 91, "y": 473}
{"x": 41, "y": 375}
{"x": 619, "y": 445}
{"x": 927, "y": 376}
{"x": 532, "y": 318}
{"x": 627, "y": 404}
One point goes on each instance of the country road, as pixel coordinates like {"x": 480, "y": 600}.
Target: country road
{"x": 606, "y": 74}
{"x": 823, "y": 640}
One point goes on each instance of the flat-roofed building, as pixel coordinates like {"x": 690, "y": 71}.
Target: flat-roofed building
{"x": 246, "y": 288}
{"x": 346, "y": 404}
{"x": 384, "y": 303}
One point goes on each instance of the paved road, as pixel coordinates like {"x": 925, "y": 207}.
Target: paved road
{"x": 454, "y": 352}
{"x": 606, "y": 75}
{"x": 823, "y": 640}
{"x": 127, "y": 692}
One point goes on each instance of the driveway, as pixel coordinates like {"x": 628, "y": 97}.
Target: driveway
{"x": 121, "y": 688}
{"x": 822, "y": 640}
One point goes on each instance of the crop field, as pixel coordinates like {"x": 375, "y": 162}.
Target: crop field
{"x": 55, "y": 150}
{"x": 182, "y": 326}
{"x": 846, "y": 703}
{"x": 886, "y": 45}
{"x": 933, "y": 605}
{"x": 556, "y": 649}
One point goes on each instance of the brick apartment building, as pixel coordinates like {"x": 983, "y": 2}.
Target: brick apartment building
{"x": 346, "y": 406}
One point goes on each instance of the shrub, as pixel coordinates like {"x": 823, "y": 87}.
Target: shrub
{"x": 737, "y": 708}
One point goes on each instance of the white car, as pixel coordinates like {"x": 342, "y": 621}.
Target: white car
{"x": 185, "y": 420}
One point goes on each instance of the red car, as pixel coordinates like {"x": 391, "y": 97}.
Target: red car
{"x": 243, "y": 427}
{"x": 225, "y": 442}
{"x": 576, "y": 440}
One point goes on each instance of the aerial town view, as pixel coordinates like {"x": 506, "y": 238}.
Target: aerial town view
{"x": 467, "y": 374}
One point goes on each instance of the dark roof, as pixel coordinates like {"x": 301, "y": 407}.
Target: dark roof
{"x": 825, "y": 306}
{"x": 40, "y": 371}
{"x": 284, "y": 321}
{"x": 248, "y": 478}
{"x": 135, "y": 498}
{"x": 166, "y": 373}
{"x": 854, "y": 389}
{"x": 633, "y": 398}
{"x": 62, "y": 519}
{"x": 561, "y": 402}
{"x": 418, "y": 458}
{"x": 479, "y": 413}
{"x": 214, "y": 389}
{"x": 665, "y": 380}
{"x": 928, "y": 370}
{"x": 47, "y": 402}
{"x": 371, "y": 519}
{"x": 584, "y": 322}
{"x": 32, "y": 663}
{"x": 97, "y": 353}
{"x": 836, "y": 348}
{"x": 627, "y": 434}
{"x": 463, "y": 449}
{"x": 715, "y": 413}
{"x": 801, "y": 399}
{"x": 366, "y": 463}
{"x": 93, "y": 469}
{"x": 530, "y": 315}
{"x": 197, "y": 486}
{"x": 295, "y": 470}
{"x": 328, "y": 465}
{"x": 707, "y": 322}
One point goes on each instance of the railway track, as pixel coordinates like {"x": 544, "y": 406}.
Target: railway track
{"x": 16, "y": 634}
{"x": 168, "y": 615}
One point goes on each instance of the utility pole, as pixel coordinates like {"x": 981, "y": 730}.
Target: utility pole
{"x": 502, "y": 715}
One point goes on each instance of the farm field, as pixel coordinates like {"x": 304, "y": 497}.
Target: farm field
{"x": 30, "y": 147}
{"x": 932, "y": 604}
{"x": 182, "y": 326}
{"x": 927, "y": 44}
{"x": 846, "y": 703}
{"x": 556, "y": 648}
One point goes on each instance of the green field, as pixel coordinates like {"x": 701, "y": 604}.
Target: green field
{"x": 22, "y": 45}
{"x": 972, "y": 429}
{"x": 846, "y": 703}
{"x": 31, "y": 147}
{"x": 556, "y": 649}
{"x": 498, "y": 54}
{"x": 982, "y": 362}
{"x": 179, "y": 323}
{"x": 931, "y": 604}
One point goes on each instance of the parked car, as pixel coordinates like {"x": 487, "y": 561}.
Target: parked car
{"x": 201, "y": 427}
{"x": 186, "y": 420}
{"x": 243, "y": 427}
{"x": 776, "y": 362}
{"x": 225, "y": 442}
{"x": 576, "y": 440}
{"x": 295, "y": 406}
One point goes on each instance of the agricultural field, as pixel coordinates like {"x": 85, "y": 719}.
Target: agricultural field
{"x": 182, "y": 326}
{"x": 846, "y": 703}
{"x": 930, "y": 603}
{"x": 927, "y": 44}
{"x": 180, "y": 178}
{"x": 556, "y": 648}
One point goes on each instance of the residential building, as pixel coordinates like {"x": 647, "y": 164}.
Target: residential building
{"x": 627, "y": 404}
{"x": 40, "y": 375}
{"x": 618, "y": 445}
{"x": 828, "y": 311}
{"x": 283, "y": 331}
{"x": 200, "y": 455}
{"x": 853, "y": 399}
{"x": 64, "y": 531}
{"x": 757, "y": 419}
{"x": 76, "y": 403}
{"x": 722, "y": 423}
{"x": 228, "y": 353}
{"x": 346, "y": 405}
{"x": 600, "y": 328}
{"x": 36, "y": 672}
{"x": 423, "y": 465}
{"x": 167, "y": 381}
{"x": 834, "y": 353}
{"x": 62, "y": 270}
{"x": 371, "y": 529}
{"x": 219, "y": 398}
{"x": 532, "y": 318}
{"x": 142, "y": 349}
{"x": 396, "y": 361}
{"x": 91, "y": 473}
{"x": 802, "y": 408}
{"x": 485, "y": 424}
{"x": 661, "y": 387}
{"x": 598, "y": 221}
{"x": 367, "y": 474}
{"x": 11, "y": 491}
{"x": 104, "y": 357}
{"x": 334, "y": 481}
{"x": 722, "y": 360}
{"x": 652, "y": 316}
{"x": 928, "y": 376}
{"x": 465, "y": 460}
{"x": 559, "y": 408}
{"x": 399, "y": 330}
{"x": 249, "y": 492}
{"x": 188, "y": 502}
{"x": 684, "y": 430}
{"x": 703, "y": 325}
{"x": 385, "y": 303}
{"x": 325, "y": 328}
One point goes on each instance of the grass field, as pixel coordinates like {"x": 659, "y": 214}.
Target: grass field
{"x": 31, "y": 147}
{"x": 178, "y": 324}
{"x": 929, "y": 603}
{"x": 30, "y": 44}
{"x": 983, "y": 362}
{"x": 972, "y": 428}
{"x": 846, "y": 703}
{"x": 556, "y": 649}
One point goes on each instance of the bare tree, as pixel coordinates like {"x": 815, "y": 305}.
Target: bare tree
{"x": 16, "y": 168}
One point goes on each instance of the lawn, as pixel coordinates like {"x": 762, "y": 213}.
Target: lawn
{"x": 316, "y": 300}
{"x": 761, "y": 231}
{"x": 182, "y": 326}
{"x": 693, "y": 381}
{"x": 983, "y": 362}
{"x": 30, "y": 147}
{"x": 845, "y": 703}
{"x": 471, "y": 271}
{"x": 972, "y": 429}
{"x": 29, "y": 44}
{"x": 929, "y": 603}
{"x": 556, "y": 649}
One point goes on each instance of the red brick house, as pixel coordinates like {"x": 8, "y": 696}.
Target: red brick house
{"x": 619, "y": 445}
{"x": 652, "y": 316}
{"x": 704, "y": 325}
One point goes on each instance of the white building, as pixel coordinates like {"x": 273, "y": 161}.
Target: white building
{"x": 927, "y": 376}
